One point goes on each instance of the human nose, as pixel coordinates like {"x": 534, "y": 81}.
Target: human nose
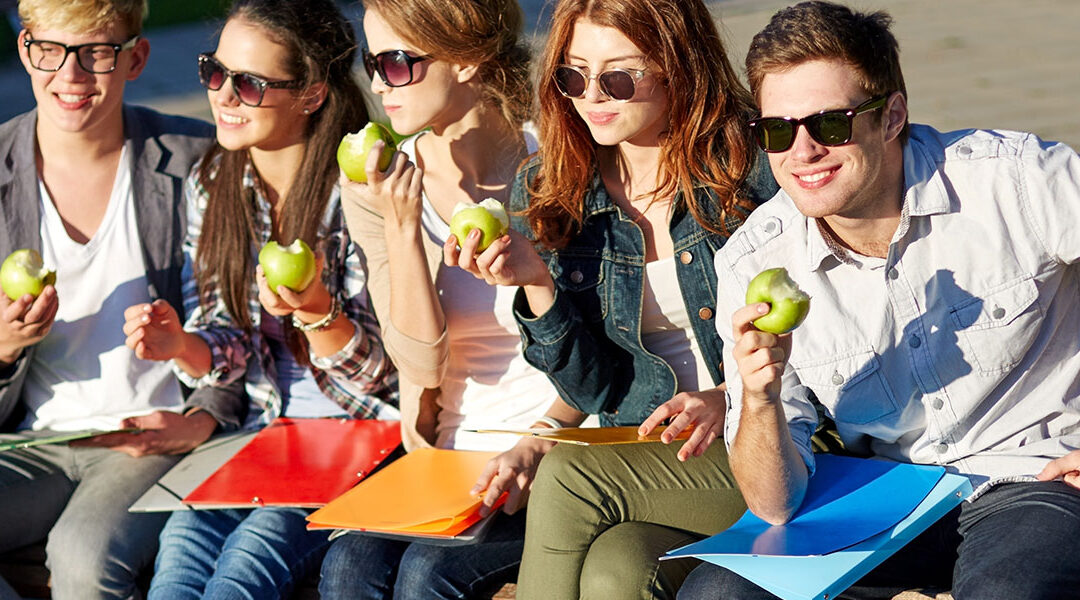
{"x": 70, "y": 68}
{"x": 378, "y": 86}
{"x": 593, "y": 93}
{"x": 804, "y": 147}
{"x": 225, "y": 95}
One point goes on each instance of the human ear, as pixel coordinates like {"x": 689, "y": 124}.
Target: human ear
{"x": 465, "y": 73}
{"x": 896, "y": 115}
{"x": 313, "y": 97}
{"x": 139, "y": 55}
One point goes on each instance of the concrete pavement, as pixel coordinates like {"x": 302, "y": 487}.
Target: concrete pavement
{"x": 1007, "y": 64}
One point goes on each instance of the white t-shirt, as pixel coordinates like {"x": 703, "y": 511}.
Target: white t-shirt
{"x": 665, "y": 327}
{"x": 82, "y": 375}
{"x": 488, "y": 384}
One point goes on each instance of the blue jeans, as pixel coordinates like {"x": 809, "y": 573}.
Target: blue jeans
{"x": 1018, "y": 541}
{"x": 243, "y": 554}
{"x": 78, "y": 499}
{"x": 365, "y": 567}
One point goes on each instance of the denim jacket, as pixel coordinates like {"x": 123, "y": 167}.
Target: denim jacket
{"x": 589, "y": 341}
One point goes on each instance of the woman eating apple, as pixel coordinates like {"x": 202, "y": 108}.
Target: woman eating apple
{"x": 646, "y": 166}
{"x": 282, "y": 94}
{"x": 458, "y": 73}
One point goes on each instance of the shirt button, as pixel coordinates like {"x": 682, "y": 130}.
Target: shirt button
{"x": 705, "y": 313}
{"x": 998, "y": 313}
{"x": 914, "y": 341}
{"x": 893, "y": 273}
{"x": 770, "y": 226}
{"x": 577, "y": 277}
{"x": 963, "y": 151}
{"x": 937, "y": 403}
{"x": 686, "y": 258}
{"x": 837, "y": 378}
{"x": 941, "y": 448}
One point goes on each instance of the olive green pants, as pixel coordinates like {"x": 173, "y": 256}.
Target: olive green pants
{"x": 600, "y": 516}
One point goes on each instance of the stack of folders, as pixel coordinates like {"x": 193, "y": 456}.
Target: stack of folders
{"x": 856, "y": 513}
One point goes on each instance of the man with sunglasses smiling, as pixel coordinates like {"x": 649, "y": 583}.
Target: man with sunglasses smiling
{"x": 96, "y": 187}
{"x": 944, "y": 327}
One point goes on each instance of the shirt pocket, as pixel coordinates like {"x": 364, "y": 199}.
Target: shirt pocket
{"x": 582, "y": 277}
{"x": 851, "y": 386}
{"x": 998, "y": 326}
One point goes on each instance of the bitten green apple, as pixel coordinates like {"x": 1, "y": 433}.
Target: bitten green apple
{"x": 23, "y": 272}
{"x": 352, "y": 152}
{"x": 788, "y": 304}
{"x": 489, "y": 217}
{"x": 292, "y": 266}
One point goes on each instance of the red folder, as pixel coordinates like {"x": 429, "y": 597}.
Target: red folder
{"x": 299, "y": 462}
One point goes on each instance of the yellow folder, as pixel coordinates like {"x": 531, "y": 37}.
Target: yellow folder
{"x": 425, "y": 493}
{"x": 591, "y": 436}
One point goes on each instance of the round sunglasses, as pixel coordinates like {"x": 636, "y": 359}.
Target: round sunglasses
{"x": 617, "y": 84}
{"x": 395, "y": 67}
{"x": 248, "y": 87}
{"x": 828, "y": 127}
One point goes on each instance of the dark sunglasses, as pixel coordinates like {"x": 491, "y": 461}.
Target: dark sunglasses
{"x": 98, "y": 58}
{"x": 828, "y": 127}
{"x": 617, "y": 84}
{"x": 249, "y": 88}
{"x": 393, "y": 66}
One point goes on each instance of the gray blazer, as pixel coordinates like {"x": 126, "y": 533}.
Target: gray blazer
{"x": 164, "y": 148}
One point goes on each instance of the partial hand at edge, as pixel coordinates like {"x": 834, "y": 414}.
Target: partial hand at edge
{"x": 512, "y": 472}
{"x": 704, "y": 410}
{"x": 163, "y": 432}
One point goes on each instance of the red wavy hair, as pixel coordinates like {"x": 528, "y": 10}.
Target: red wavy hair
{"x": 707, "y": 142}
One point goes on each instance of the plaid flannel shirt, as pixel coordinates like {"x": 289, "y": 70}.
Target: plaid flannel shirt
{"x": 359, "y": 377}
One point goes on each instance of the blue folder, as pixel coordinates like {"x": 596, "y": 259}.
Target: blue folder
{"x": 856, "y": 513}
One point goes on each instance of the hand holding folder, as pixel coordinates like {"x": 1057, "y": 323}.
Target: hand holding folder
{"x": 425, "y": 494}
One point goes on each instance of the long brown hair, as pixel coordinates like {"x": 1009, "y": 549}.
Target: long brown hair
{"x": 707, "y": 142}
{"x": 322, "y": 47}
{"x": 486, "y": 33}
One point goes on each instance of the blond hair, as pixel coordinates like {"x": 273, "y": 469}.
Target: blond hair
{"x": 83, "y": 15}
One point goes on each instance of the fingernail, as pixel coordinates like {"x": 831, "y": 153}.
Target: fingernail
{"x": 762, "y": 308}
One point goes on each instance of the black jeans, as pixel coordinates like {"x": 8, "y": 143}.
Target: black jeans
{"x": 1018, "y": 541}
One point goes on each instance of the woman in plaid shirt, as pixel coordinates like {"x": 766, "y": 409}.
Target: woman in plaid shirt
{"x": 282, "y": 94}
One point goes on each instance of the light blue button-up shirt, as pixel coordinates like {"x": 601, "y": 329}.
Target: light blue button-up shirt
{"x": 962, "y": 347}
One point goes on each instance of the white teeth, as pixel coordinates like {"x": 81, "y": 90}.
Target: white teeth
{"x": 815, "y": 177}
{"x": 71, "y": 98}
{"x": 233, "y": 120}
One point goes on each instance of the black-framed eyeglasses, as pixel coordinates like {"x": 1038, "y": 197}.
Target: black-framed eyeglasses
{"x": 828, "y": 127}
{"x": 618, "y": 84}
{"x": 97, "y": 57}
{"x": 248, "y": 87}
{"x": 395, "y": 67}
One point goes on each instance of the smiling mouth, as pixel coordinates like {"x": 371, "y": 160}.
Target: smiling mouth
{"x": 815, "y": 177}
{"x": 73, "y": 98}
{"x": 601, "y": 118}
{"x": 232, "y": 119}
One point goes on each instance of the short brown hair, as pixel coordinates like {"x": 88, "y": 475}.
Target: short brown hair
{"x": 83, "y": 15}
{"x": 825, "y": 31}
{"x": 485, "y": 33}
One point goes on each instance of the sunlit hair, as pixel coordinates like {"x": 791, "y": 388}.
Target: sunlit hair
{"x": 825, "y": 31}
{"x": 321, "y": 45}
{"x": 707, "y": 141}
{"x": 486, "y": 33}
{"x": 89, "y": 16}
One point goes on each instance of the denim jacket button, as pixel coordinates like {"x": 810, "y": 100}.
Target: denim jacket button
{"x": 705, "y": 313}
{"x": 576, "y": 277}
{"x": 686, "y": 257}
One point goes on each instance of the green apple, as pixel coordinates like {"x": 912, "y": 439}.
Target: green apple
{"x": 24, "y": 273}
{"x": 788, "y": 304}
{"x": 352, "y": 152}
{"x": 292, "y": 266}
{"x": 489, "y": 217}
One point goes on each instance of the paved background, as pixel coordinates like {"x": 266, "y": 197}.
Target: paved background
{"x": 1008, "y": 64}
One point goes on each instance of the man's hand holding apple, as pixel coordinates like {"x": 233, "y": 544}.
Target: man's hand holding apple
{"x": 705, "y": 410}
{"x": 161, "y": 432}
{"x": 761, "y": 356}
{"x": 25, "y": 321}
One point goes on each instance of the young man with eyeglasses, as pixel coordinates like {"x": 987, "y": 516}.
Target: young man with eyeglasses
{"x": 96, "y": 187}
{"x": 944, "y": 327}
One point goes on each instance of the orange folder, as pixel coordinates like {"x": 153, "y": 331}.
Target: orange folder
{"x": 299, "y": 462}
{"x": 423, "y": 494}
{"x": 592, "y": 436}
